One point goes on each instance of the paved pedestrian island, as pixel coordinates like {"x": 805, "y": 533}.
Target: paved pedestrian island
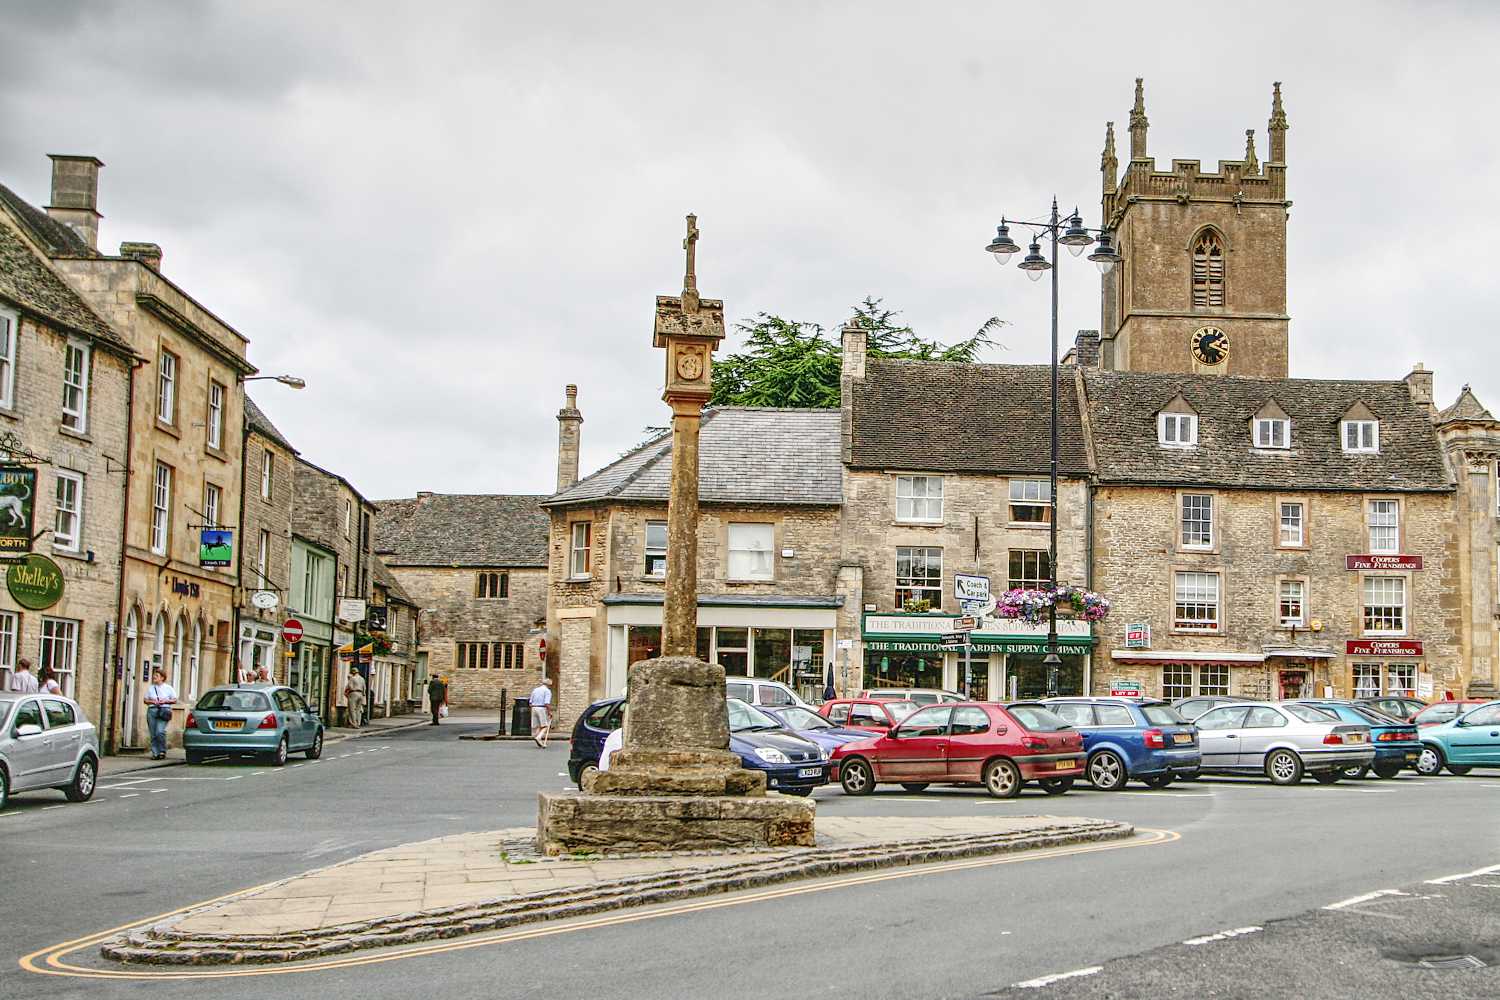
{"x": 477, "y": 882}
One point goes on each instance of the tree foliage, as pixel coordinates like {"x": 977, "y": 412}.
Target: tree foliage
{"x": 790, "y": 363}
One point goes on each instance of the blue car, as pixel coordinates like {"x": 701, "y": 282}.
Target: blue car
{"x": 811, "y": 726}
{"x": 265, "y": 720}
{"x": 1471, "y": 740}
{"x": 1396, "y": 744}
{"x": 792, "y": 764}
{"x": 1126, "y": 738}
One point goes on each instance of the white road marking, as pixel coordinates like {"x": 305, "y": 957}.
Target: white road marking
{"x": 1455, "y": 878}
{"x": 237, "y": 777}
{"x": 296, "y": 765}
{"x": 1221, "y": 936}
{"x": 1356, "y": 900}
{"x": 1040, "y": 981}
{"x": 45, "y": 808}
{"x": 157, "y": 791}
{"x": 129, "y": 795}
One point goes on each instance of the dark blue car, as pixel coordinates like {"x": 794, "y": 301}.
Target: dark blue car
{"x": 1397, "y": 745}
{"x": 1126, "y": 738}
{"x": 792, "y": 764}
{"x": 811, "y": 726}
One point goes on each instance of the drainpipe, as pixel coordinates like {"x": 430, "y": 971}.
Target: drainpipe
{"x": 107, "y": 696}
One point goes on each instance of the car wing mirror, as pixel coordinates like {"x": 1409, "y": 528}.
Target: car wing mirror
{"x": 1461, "y": 722}
{"x": 28, "y": 729}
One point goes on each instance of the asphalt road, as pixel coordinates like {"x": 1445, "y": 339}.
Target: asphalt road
{"x": 1249, "y": 855}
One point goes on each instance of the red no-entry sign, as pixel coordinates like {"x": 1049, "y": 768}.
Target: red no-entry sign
{"x": 291, "y": 630}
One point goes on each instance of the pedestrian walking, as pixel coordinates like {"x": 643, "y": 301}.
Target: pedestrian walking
{"x": 437, "y": 697}
{"x": 541, "y": 712}
{"x": 160, "y": 697}
{"x": 46, "y": 680}
{"x": 354, "y": 690}
{"x": 23, "y": 681}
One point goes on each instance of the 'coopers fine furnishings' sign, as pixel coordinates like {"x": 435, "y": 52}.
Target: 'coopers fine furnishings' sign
{"x": 1383, "y": 647}
{"x": 1372, "y": 561}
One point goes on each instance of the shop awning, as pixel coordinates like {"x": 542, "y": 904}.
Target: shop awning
{"x": 347, "y": 648}
{"x": 1185, "y": 656}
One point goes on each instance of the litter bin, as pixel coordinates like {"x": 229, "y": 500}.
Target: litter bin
{"x": 520, "y": 719}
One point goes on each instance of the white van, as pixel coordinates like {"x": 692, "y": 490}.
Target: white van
{"x": 760, "y": 691}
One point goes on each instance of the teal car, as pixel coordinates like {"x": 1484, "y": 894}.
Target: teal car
{"x": 1471, "y": 740}
{"x": 263, "y": 720}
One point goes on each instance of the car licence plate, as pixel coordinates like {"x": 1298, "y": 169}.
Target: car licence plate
{"x": 1182, "y": 737}
{"x": 809, "y": 772}
{"x": 229, "y": 723}
{"x": 1066, "y": 765}
{"x": 1356, "y": 737}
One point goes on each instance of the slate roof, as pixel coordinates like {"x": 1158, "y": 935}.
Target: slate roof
{"x": 1466, "y": 408}
{"x": 257, "y": 421}
{"x": 1122, "y": 416}
{"x": 28, "y": 282}
{"x": 54, "y": 237}
{"x": 940, "y": 417}
{"x": 746, "y": 454}
{"x": 462, "y": 529}
{"x": 385, "y": 578}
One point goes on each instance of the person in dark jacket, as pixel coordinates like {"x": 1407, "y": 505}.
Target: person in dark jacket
{"x": 437, "y": 694}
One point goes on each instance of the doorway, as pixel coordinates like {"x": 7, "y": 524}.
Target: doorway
{"x": 1293, "y": 684}
{"x": 127, "y": 680}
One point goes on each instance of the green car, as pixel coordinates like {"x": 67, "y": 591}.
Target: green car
{"x": 1471, "y": 740}
{"x": 264, "y": 720}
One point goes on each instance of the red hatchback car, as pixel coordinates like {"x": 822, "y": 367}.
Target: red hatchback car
{"x": 1440, "y": 712}
{"x": 999, "y": 746}
{"x": 873, "y": 714}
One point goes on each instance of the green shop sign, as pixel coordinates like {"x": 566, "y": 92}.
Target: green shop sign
{"x": 36, "y": 583}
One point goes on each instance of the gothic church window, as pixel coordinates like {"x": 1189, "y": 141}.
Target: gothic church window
{"x": 1208, "y": 270}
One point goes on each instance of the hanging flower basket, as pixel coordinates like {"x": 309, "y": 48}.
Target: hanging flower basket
{"x": 1031, "y": 606}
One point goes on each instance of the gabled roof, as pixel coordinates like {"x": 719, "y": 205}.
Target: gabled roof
{"x": 931, "y": 415}
{"x": 1466, "y": 408}
{"x": 29, "y": 283}
{"x": 385, "y": 578}
{"x": 462, "y": 529}
{"x": 746, "y": 455}
{"x": 1126, "y": 448}
{"x": 257, "y": 421}
{"x": 56, "y": 239}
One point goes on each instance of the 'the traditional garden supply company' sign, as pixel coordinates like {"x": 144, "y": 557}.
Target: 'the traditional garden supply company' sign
{"x": 36, "y": 582}
{"x": 215, "y": 546}
{"x": 1382, "y": 562}
{"x": 17, "y": 508}
{"x": 1383, "y": 647}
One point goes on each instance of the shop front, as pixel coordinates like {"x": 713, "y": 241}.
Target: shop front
{"x": 1387, "y": 667}
{"x": 258, "y": 649}
{"x": 789, "y": 639}
{"x": 1004, "y": 661}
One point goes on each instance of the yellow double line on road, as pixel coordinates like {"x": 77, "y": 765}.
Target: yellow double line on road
{"x": 50, "y": 961}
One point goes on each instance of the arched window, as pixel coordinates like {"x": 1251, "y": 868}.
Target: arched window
{"x": 159, "y": 641}
{"x": 1208, "y": 270}
{"x": 175, "y": 677}
{"x": 195, "y": 664}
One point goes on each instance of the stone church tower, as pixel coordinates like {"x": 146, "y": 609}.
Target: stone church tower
{"x": 1203, "y": 286}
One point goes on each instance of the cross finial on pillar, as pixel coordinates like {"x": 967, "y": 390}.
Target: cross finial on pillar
{"x": 690, "y": 277}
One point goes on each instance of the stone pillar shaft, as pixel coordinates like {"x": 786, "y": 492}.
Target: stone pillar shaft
{"x": 679, "y": 635}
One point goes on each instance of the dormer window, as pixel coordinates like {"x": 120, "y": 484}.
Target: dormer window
{"x": 1272, "y": 432}
{"x": 1177, "y": 430}
{"x": 1361, "y": 435}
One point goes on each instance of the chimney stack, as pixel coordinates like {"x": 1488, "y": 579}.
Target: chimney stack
{"x": 569, "y": 430}
{"x": 1419, "y": 384}
{"x": 1086, "y": 349}
{"x": 147, "y": 253}
{"x": 75, "y": 195}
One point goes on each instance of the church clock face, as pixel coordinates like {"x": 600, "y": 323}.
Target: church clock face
{"x": 1210, "y": 346}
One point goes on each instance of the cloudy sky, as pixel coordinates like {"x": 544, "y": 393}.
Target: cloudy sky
{"x": 440, "y": 213}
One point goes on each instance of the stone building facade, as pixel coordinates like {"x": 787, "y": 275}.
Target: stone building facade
{"x": 64, "y": 413}
{"x": 265, "y": 557}
{"x": 395, "y": 686}
{"x": 475, "y": 569}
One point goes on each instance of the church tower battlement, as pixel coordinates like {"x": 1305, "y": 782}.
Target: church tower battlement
{"x": 1203, "y": 286}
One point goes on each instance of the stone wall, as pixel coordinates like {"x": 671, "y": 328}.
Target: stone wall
{"x": 274, "y": 516}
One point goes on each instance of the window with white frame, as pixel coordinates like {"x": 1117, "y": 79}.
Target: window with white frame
{"x": 1384, "y": 518}
{"x": 1272, "y": 432}
{"x": 161, "y": 508}
{"x": 75, "y": 401}
{"x": 1183, "y": 680}
{"x": 179, "y": 642}
{"x": 1196, "y": 602}
{"x": 263, "y": 556}
{"x": 1361, "y": 435}
{"x": 579, "y": 561}
{"x": 1177, "y": 430}
{"x": 1197, "y": 521}
{"x": 1213, "y": 679}
{"x": 1030, "y": 501}
{"x": 166, "y": 388}
{"x": 1293, "y": 523}
{"x": 195, "y": 659}
{"x": 1366, "y": 680}
{"x": 1385, "y": 605}
{"x": 1401, "y": 679}
{"x": 919, "y": 575}
{"x": 750, "y": 553}
{"x": 9, "y": 328}
{"x": 348, "y": 515}
{"x": 1029, "y": 569}
{"x": 212, "y": 496}
{"x": 67, "y": 518}
{"x": 267, "y": 467}
{"x": 159, "y": 642}
{"x": 59, "y": 650}
{"x": 1290, "y": 606}
{"x": 919, "y": 498}
{"x": 656, "y": 548}
{"x": 215, "y": 415}
{"x": 10, "y": 631}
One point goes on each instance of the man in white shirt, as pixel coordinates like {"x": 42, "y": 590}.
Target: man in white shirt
{"x": 23, "y": 681}
{"x": 541, "y": 712}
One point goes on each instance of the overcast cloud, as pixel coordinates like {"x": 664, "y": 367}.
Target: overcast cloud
{"x": 440, "y": 213}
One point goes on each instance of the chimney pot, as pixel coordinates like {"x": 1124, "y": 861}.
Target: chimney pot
{"x": 75, "y": 195}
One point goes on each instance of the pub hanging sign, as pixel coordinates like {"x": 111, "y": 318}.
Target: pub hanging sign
{"x": 215, "y": 547}
{"x": 17, "y": 508}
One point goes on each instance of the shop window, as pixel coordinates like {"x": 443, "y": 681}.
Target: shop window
{"x": 1384, "y": 519}
{"x": 750, "y": 556}
{"x": 1385, "y": 605}
{"x": 1030, "y": 501}
{"x": 919, "y": 576}
{"x": 1177, "y": 681}
{"x": 919, "y": 498}
{"x": 1293, "y": 523}
{"x": 492, "y": 584}
{"x": 732, "y": 650}
{"x": 1196, "y": 602}
{"x": 1213, "y": 679}
{"x": 1290, "y": 608}
{"x": 1366, "y": 680}
{"x": 656, "y": 548}
{"x": 643, "y": 643}
{"x": 1197, "y": 521}
{"x": 1029, "y": 569}
{"x": 1401, "y": 679}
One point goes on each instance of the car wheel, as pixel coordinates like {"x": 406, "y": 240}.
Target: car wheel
{"x": 4, "y": 788}
{"x": 1327, "y": 777}
{"x": 316, "y": 750}
{"x": 856, "y": 777}
{"x": 81, "y": 788}
{"x": 1056, "y": 786}
{"x": 1284, "y": 768}
{"x": 1158, "y": 780}
{"x": 1107, "y": 771}
{"x": 584, "y": 772}
{"x": 1387, "y": 770}
{"x": 1430, "y": 762}
{"x": 279, "y": 755}
{"x": 1459, "y": 770}
{"x": 1356, "y": 772}
{"x": 914, "y": 786}
{"x": 1002, "y": 779}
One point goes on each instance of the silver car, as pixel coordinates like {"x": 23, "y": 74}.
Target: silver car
{"x": 1282, "y": 741}
{"x": 46, "y": 742}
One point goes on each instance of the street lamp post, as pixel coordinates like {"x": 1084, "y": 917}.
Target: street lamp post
{"x": 1075, "y": 237}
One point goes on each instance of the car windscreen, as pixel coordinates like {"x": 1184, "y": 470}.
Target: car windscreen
{"x": 1309, "y": 713}
{"x": 1162, "y": 715}
{"x": 233, "y": 701}
{"x": 745, "y": 718}
{"x": 901, "y": 709}
{"x": 744, "y": 692}
{"x": 1037, "y": 719}
{"x": 801, "y": 718}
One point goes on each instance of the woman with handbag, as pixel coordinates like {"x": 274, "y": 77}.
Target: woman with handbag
{"x": 160, "y": 697}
